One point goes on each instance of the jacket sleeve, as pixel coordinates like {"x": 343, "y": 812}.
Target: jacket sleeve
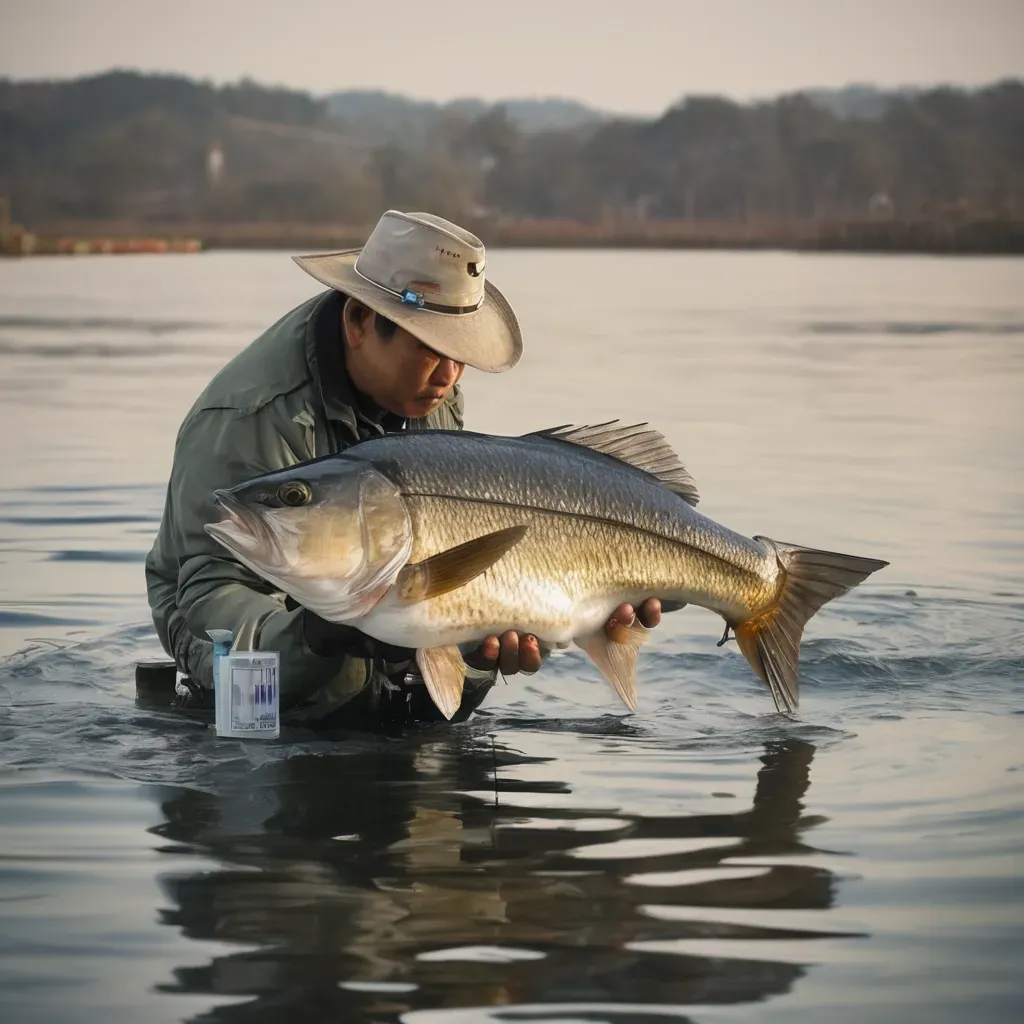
{"x": 221, "y": 448}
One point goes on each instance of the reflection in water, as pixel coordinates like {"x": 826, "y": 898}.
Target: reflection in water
{"x": 385, "y": 886}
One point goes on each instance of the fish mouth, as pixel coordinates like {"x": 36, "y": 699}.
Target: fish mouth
{"x": 239, "y": 528}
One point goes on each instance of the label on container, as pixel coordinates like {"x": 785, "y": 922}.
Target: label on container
{"x": 248, "y": 695}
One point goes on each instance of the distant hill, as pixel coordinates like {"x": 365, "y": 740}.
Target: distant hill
{"x": 389, "y": 117}
{"x": 139, "y": 149}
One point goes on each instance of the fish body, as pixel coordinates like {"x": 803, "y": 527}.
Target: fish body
{"x": 436, "y": 539}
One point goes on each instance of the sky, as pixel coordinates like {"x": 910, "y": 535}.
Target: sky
{"x": 636, "y": 57}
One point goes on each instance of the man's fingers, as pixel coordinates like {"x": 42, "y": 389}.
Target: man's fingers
{"x": 485, "y": 656}
{"x": 529, "y": 654}
{"x": 649, "y": 613}
{"x": 508, "y": 659}
{"x": 617, "y": 627}
{"x": 624, "y": 614}
{"x": 510, "y": 653}
{"x": 490, "y": 648}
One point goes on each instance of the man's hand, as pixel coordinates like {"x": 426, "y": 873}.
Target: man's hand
{"x": 648, "y": 614}
{"x": 513, "y": 652}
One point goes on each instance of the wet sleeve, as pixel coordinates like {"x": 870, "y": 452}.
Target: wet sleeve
{"x": 221, "y": 448}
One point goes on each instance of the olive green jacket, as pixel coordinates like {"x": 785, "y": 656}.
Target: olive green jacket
{"x": 273, "y": 405}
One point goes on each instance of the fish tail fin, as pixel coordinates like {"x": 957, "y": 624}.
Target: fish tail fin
{"x": 809, "y": 579}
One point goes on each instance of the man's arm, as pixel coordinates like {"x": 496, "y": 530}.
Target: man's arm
{"x": 220, "y": 448}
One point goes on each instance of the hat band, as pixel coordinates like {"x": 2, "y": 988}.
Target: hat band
{"x": 413, "y": 298}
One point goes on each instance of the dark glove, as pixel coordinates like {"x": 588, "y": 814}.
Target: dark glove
{"x": 334, "y": 640}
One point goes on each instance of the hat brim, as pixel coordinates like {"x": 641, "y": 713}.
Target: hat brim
{"x": 488, "y": 339}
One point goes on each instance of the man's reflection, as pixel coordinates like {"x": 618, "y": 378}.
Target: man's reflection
{"x": 351, "y": 866}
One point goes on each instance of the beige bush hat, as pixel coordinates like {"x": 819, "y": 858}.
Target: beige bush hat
{"x": 427, "y": 275}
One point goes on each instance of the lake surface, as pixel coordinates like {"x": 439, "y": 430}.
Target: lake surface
{"x": 555, "y": 858}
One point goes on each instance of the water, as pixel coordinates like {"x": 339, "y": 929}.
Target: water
{"x": 554, "y": 859}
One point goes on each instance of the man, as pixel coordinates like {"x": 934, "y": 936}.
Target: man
{"x": 381, "y": 350}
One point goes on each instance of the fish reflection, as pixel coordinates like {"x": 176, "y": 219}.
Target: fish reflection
{"x": 366, "y": 885}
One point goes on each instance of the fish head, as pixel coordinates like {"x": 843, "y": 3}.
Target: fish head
{"x": 332, "y": 533}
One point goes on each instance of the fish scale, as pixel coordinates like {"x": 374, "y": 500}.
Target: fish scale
{"x": 563, "y": 579}
{"x": 542, "y": 473}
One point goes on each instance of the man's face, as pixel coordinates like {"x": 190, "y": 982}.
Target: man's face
{"x": 400, "y": 373}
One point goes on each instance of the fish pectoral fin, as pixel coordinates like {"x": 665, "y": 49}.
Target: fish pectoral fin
{"x": 444, "y": 672}
{"x": 617, "y": 658}
{"x": 455, "y": 567}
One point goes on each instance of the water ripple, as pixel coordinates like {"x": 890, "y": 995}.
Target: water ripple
{"x": 77, "y": 555}
{"x": 128, "y": 324}
{"x": 916, "y": 327}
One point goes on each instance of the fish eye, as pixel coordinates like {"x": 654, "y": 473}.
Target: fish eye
{"x": 294, "y": 493}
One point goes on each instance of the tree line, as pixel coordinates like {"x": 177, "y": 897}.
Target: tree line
{"x": 164, "y": 149}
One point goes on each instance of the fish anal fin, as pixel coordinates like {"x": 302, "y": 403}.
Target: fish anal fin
{"x": 616, "y": 658}
{"x": 770, "y": 639}
{"x": 455, "y": 567}
{"x": 444, "y": 672}
{"x": 639, "y": 445}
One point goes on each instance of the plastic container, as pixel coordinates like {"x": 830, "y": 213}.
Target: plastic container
{"x": 247, "y": 694}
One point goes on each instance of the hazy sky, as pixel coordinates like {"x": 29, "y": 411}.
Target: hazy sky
{"x": 638, "y": 56}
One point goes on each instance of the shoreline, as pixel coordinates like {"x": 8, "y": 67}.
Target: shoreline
{"x": 989, "y": 236}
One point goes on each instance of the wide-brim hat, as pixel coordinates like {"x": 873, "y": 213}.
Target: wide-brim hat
{"x": 428, "y": 276}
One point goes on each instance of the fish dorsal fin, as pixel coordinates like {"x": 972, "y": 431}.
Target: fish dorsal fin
{"x": 455, "y": 567}
{"x": 638, "y": 445}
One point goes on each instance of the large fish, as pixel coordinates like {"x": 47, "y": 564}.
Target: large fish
{"x": 432, "y": 539}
